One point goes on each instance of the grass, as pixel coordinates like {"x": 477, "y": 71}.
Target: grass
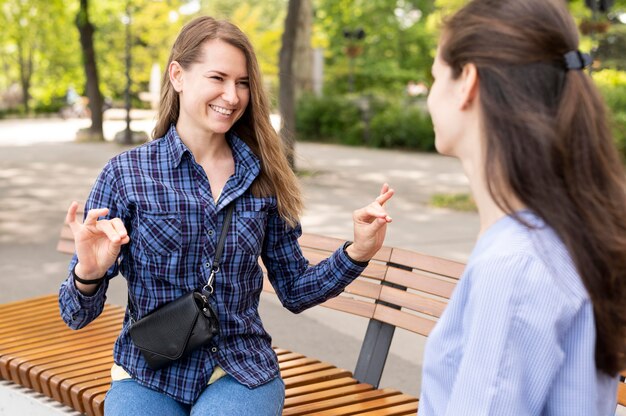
{"x": 457, "y": 202}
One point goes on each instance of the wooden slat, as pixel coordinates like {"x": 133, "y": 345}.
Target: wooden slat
{"x": 421, "y": 282}
{"x": 427, "y": 263}
{"x": 306, "y": 369}
{"x": 19, "y": 304}
{"x": 78, "y": 390}
{"x": 319, "y": 387}
{"x": 322, "y": 406}
{"x": 37, "y": 371}
{"x": 66, "y": 246}
{"x": 291, "y": 364}
{"x": 405, "y": 320}
{"x": 95, "y": 401}
{"x": 284, "y": 358}
{"x": 364, "y": 288}
{"x": 353, "y": 306}
{"x": 316, "y": 377}
{"x": 621, "y": 394}
{"x": 409, "y": 408}
{"x": 327, "y": 394}
{"x": 412, "y": 301}
{"x": 42, "y": 378}
{"x": 379, "y": 405}
{"x": 9, "y": 364}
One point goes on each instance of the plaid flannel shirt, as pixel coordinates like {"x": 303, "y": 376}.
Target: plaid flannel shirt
{"x": 164, "y": 199}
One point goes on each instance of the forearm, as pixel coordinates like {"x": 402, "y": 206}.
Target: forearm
{"x": 301, "y": 289}
{"x": 77, "y": 308}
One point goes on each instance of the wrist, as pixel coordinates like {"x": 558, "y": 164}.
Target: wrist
{"x": 86, "y": 279}
{"x": 354, "y": 256}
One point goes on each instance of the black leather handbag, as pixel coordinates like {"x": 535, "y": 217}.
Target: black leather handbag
{"x": 173, "y": 330}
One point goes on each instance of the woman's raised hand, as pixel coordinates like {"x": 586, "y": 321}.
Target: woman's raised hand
{"x": 370, "y": 226}
{"x": 97, "y": 243}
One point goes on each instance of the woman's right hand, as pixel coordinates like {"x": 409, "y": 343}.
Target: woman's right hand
{"x": 97, "y": 243}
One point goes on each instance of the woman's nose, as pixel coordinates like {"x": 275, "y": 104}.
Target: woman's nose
{"x": 230, "y": 94}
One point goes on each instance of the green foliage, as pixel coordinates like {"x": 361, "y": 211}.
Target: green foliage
{"x": 35, "y": 49}
{"x": 403, "y": 125}
{"x": 397, "y": 45}
{"x": 618, "y": 124}
{"x": 457, "y": 202}
{"x": 392, "y": 122}
{"x": 612, "y": 85}
{"x": 335, "y": 119}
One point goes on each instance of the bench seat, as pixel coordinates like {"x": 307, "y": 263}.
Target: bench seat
{"x": 38, "y": 351}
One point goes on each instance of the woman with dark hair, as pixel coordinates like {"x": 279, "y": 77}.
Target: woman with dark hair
{"x": 156, "y": 215}
{"x": 536, "y": 325}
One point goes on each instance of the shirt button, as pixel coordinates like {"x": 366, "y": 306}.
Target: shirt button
{"x": 211, "y": 232}
{"x": 207, "y": 265}
{"x": 214, "y": 349}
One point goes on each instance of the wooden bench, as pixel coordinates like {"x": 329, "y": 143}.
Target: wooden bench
{"x": 399, "y": 289}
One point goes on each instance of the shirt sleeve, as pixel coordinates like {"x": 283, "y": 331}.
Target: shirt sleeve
{"x": 298, "y": 285}
{"x": 512, "y": 330}
{"x": 77, "y": 309}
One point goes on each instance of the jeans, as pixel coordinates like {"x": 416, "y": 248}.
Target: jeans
{"x": 225, "y": 397}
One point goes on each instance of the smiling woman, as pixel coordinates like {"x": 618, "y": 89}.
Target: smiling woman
{"x": 191, "y": 213}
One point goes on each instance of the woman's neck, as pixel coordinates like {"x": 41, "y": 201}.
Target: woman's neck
{"x": 488, "y": 211}
{"x": 204, "y": 146}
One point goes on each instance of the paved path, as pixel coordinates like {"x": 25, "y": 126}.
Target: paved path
{"x": 42, "y": 169}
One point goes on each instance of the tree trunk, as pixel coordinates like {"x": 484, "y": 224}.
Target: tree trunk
{"x": 286, "y": 94}
{"x": 303, "y": 58}
{"x": 26, "y": 72}
{"x": 86, "y": 30}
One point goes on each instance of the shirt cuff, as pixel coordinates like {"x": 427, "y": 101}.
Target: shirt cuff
{"x": 357, "y": 263}
{"x": 87, "y": 301}
{"x": 344, "y": 269}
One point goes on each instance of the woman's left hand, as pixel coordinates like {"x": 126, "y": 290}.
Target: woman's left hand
{"x": 370, "y": 225}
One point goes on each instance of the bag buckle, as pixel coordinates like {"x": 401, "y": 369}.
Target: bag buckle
{"x": 208, "y": 288}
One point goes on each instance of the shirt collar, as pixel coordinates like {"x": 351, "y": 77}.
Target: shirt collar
{"x": 175, "y": 146}
{"x": 247, "y": 168}
{"x": 244, "y": 158}
{"x": 247, "y": 164}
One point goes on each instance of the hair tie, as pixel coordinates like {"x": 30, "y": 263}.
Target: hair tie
{"x": 577, "y": 60}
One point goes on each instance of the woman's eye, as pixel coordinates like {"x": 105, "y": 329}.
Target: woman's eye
{"x": 217, "y": 78}
{"x": 243, "y": 84}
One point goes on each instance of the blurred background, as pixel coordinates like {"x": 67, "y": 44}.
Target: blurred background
{"x": 345, "y": 71}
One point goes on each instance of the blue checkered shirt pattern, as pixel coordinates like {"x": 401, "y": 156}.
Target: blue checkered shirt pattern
{"x": 164, "y": 199}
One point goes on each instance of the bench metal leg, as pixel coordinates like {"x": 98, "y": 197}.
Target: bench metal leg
{"x": 374, "y": 351}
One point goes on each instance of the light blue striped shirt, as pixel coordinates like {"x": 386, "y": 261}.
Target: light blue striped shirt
{"x": 518, "y": 336}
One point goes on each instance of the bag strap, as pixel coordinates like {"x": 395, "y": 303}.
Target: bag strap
{"x": 219, "y": 250}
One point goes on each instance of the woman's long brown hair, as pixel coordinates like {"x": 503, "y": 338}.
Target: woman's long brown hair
{"x": 254, "y": 127}
{"x": 548, "y": 141}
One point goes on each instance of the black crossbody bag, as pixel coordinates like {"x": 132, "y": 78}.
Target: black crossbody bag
{"x": 173, "y": 330}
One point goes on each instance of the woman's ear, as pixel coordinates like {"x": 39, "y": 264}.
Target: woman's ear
{"x": 469, "y": 85}
{"x": 176, "y": 76}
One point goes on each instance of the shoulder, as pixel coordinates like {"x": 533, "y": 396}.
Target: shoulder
{"x": 132, "y": 163}
{"x": 531, "y": 262}
{"x": 147, "y": 151}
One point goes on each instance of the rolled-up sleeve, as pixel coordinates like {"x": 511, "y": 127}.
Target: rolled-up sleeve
{"x": 298, "y": 285}
{"x": 77, "y": 309}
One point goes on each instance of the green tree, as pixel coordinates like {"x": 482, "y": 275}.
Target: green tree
{"x": 30, "y": 42}
{"x": 397, "y": 46}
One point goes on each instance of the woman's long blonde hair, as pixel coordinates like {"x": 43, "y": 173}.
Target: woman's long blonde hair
{"x": 254, "y": 127}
